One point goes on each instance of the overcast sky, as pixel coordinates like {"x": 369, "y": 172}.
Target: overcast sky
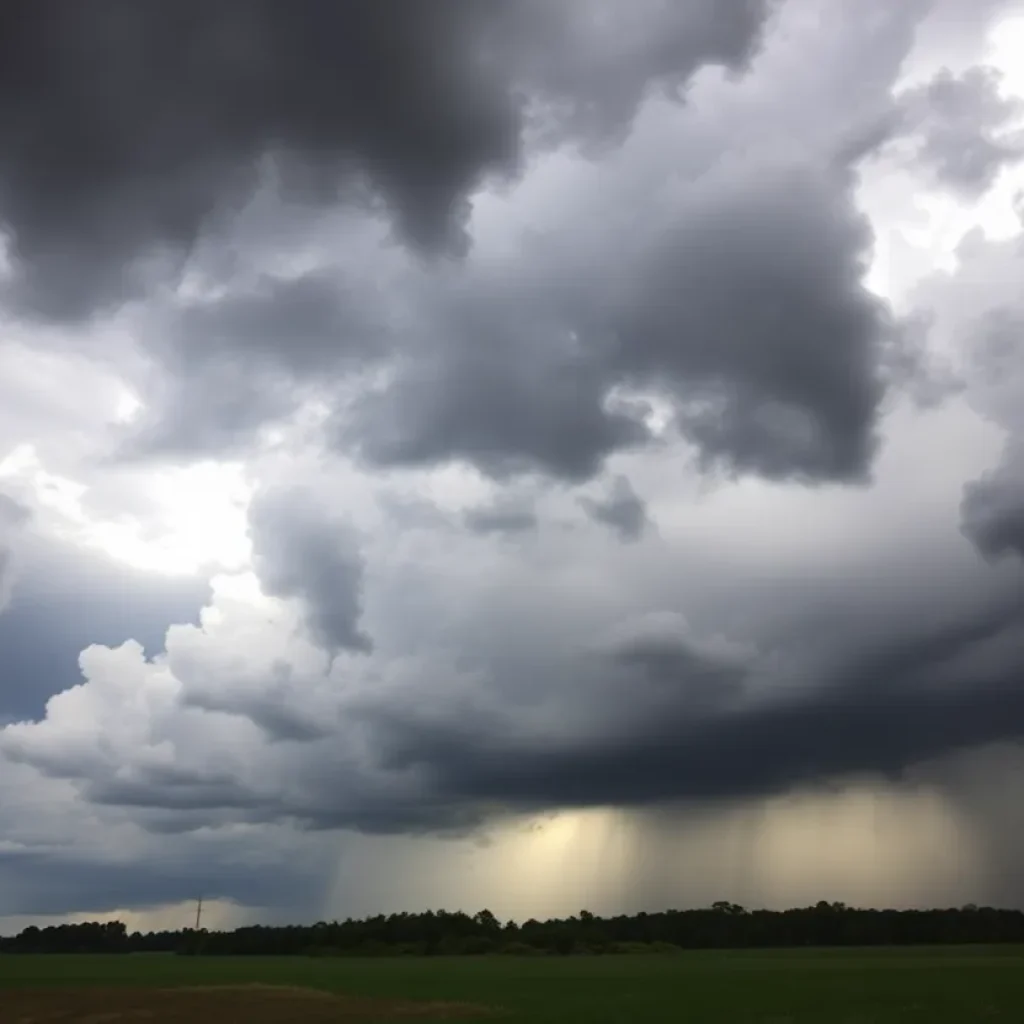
{"x": 508, "y": 453}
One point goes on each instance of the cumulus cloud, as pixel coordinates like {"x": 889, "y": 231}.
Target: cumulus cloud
{"x": 67, "y": 600}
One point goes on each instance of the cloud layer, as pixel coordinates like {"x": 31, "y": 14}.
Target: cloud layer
{"x": 129, "y": 129}
{"x": 580, "y": 414}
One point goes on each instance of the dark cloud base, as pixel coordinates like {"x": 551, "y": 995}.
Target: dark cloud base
{"x": 128, "y": 127}
{"x": 922, "y": 699}
{"x": 679, "y": 722}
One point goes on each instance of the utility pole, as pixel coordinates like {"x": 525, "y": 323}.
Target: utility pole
{"x": 199, "y": 911}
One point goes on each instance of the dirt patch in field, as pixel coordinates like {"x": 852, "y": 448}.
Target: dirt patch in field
{"x": 220, "y": 1004}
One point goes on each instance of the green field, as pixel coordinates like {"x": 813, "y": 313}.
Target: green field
{"x": 927, "y": 986}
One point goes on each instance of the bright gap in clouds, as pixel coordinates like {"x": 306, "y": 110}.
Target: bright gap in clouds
{"x": 199, "y": 522}
{"x": 168, "y": 520}
{"x": 127, "y": 408}
{"x": 1007, "y": 53}
{"x": 194, "y": 516}
{"x": 923, "y": 237}
{"x": 995, "y": 212}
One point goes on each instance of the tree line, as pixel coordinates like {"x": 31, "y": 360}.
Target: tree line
{"x": 723, "y": 925}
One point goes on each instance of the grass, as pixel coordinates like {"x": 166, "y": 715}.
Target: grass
{"x": 878, "y": 986}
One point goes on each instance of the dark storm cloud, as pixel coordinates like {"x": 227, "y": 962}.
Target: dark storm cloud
{"x": 992, "y": 511}
{"x": 744, "y": 308}
{"x": 753, "y": 312}
{"x": 231, "y": 364}
{"x": 668, "y": 662}
{"x": 497, "y": 382}
{"x": 740, "y": 302}
{"x": 932, "y": 695}
{"x": 575, "y": 51}
{"x": 651, "y": 715}
{"x": 127, "y": 124}
{"x": 622, "y": 510}
{"x": 302, "y": 550}
{"x": 303, "y": 324}
{"x": 67, "y": 600}
{"x": 964, "y": 125}
{"x": 130, "y": 126}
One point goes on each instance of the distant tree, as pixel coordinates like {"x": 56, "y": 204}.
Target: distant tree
{"x": 724, "y": 925}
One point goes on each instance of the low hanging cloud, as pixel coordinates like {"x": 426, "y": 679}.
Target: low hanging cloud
{"x": 130, "y": 129}
{"x": 304, "y": 551}
{"x": 243, "y": 718}
{"x": 993, "y": 507}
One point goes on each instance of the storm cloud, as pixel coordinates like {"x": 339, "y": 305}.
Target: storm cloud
{"x": 993, "y": 508}
{"x": 741, "y": 304}
{"x": 301, "y": 550}
{"x": 433, "y": 414}
{"x": 645, "y": 710}
{"x": 739, "y": 299}
{"x": 856, "y": 727}
{"x": 129, "y": 128}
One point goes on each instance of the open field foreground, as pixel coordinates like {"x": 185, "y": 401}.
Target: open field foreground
{"x": 919, "y": 986}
